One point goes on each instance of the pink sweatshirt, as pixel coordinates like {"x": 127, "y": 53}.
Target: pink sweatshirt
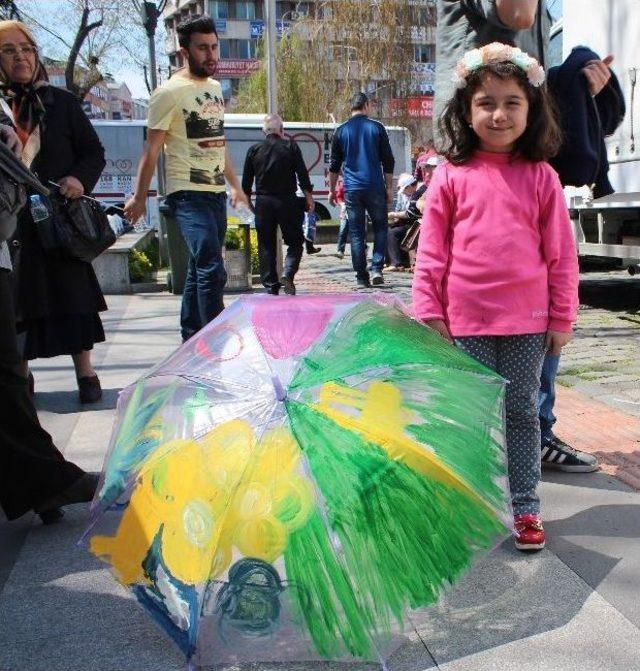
{"x": 496, "y": 254}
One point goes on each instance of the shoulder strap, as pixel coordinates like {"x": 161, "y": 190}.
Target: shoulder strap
{"x": 7, "y": 109}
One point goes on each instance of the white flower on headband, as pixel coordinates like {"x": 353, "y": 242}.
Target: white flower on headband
{"x": 496, "y": 52}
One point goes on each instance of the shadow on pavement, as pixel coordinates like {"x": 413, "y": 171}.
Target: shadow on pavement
{"x": 66, "y": 402}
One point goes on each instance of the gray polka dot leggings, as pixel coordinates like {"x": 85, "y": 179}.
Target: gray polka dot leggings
{"x": 518, "y": 359}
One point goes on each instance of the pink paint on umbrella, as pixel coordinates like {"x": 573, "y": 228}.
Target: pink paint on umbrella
{"x": 289, "y": 326}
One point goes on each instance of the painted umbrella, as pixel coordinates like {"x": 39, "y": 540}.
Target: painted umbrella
{"x": 299, "y": 479}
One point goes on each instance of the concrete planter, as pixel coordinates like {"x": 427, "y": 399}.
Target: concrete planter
{"x": 237, "y": 265}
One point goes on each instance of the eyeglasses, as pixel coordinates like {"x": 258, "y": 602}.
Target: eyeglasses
{"x": 24, "y": 50}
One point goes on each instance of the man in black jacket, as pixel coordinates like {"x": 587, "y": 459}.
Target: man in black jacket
{"x": 277, "y": 166}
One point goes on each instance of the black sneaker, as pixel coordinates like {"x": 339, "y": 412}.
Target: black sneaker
{"x": 313, "y": 250}
{"x": 289, "y": 286}
{"x": 558, "y": 456}
{"x": 363, "y": 282}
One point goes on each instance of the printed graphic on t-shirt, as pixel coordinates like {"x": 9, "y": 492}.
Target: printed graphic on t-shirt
{"x": 195, "y": 143}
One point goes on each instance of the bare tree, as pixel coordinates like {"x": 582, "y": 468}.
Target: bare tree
{"x": 93, "y": 75}
{"x": 91, "y": 36}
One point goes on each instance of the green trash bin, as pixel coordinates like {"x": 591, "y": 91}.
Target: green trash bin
{"x": 178, "y": 252}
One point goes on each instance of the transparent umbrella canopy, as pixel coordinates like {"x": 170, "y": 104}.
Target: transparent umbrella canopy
{"x": 300, "y": 478}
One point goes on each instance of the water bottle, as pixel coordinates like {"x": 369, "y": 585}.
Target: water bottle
{"x": 246, "y": 216}
{"x": 39, "y": 210}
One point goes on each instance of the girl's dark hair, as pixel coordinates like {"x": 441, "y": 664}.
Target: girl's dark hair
{"x": 541, "y": 139}
{"x": 197, "y": 24}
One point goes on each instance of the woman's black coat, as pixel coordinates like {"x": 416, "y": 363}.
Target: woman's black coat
{"x": 68, "y": 146}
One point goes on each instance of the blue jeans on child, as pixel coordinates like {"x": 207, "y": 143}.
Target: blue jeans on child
{"x": 375, "y": 203}
{"x": 202, "y": 217}
{"x": 547, "y": 396}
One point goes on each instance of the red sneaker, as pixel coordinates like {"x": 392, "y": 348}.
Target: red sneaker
{"x": 529, "y": 532}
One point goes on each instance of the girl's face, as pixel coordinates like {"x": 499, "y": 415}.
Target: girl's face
{"x": 499, "y": 109}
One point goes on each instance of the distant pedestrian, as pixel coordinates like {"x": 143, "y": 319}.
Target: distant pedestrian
{"x": 497, "y": 268}
{"x": 361, "y": 149}
{"x": 277, "y": 166}
{"x": 186, "y": 115}
{"x": 401, "y": 220}
{"x": 425, "y": 162}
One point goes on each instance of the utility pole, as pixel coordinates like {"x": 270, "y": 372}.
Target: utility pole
{"x": 270, "y": 55}
{"x": 150, "y": 12}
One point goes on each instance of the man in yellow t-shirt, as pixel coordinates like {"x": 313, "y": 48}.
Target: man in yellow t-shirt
{"x": 186, "y": 115}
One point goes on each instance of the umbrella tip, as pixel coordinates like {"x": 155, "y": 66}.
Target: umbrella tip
{"x": 281, "y": 394}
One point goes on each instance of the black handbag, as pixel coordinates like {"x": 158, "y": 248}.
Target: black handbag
{"x": 77, "y": 229}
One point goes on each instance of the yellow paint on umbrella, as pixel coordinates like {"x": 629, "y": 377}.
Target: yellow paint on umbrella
{"x": 378, "y": 415}
{"x": 207, "y": 497}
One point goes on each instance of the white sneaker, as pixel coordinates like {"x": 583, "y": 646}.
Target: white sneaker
{"x": 377, "y": 279}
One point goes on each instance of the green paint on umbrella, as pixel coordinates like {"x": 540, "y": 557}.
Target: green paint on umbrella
{"x": 372, "y": 335}
{"x": 402, "y": 537}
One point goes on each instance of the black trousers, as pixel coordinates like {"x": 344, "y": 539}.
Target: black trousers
{"x": 271, "y": 212}
{"x": 32, "y": 469}
{"x": 397, "y": 256}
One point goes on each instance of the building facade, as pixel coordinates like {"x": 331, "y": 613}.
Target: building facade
{"x": 240, "y": 24}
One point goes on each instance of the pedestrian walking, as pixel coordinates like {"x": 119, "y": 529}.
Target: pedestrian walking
{"x": 57, "y": 300}
{"x": 186, "y": 115}
{"x": 277, "y": 167}
{"x": 496, "y": 270}
{"x": 361, "y": 149}
{"x": 465, "y": 24}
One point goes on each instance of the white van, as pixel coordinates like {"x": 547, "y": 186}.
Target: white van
{"x": 124, "y": 140}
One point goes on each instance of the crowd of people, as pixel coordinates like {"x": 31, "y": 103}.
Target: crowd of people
{"x": 484, "y": 223}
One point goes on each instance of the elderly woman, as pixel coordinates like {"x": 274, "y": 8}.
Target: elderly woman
{"x": 57, "y": 300}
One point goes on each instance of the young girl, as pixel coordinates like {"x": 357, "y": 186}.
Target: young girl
{"x": 496, "y": 270}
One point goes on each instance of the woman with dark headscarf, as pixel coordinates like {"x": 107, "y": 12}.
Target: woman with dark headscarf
{"x": 57, "y": 301}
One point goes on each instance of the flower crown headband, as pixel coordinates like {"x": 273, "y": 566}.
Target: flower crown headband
{"x": 496, "y": 52}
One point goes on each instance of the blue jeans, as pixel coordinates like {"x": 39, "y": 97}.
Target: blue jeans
{"x": 202, "y": 217}
{"x": 547, "y": 396}
{"x": 375, "y": 204}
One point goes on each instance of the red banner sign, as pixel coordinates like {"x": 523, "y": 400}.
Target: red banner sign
{"x": 415, "y": 107}
{"x": 237, "y": 68}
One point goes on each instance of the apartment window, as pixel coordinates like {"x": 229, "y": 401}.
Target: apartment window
{"x": 424, "y": 53}
{"x": 225, "y": 48}
{"x": 238, "y": 48}
{"x": 246, "y": 48}
{"x": 246, "y": 9}
{"x": 284, "y": 9}
{"x": 226, "y": 88}
{"x": 219, "y": 9}
{"x": 229, "y": 87}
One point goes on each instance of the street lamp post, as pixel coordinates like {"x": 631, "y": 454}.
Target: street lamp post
{"x": 150, "y": 12}
{"x": 270, "y": 43}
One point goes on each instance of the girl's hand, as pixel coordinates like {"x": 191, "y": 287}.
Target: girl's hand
{"x": 440, "y": 328}
{"x": 555, "y": 340}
